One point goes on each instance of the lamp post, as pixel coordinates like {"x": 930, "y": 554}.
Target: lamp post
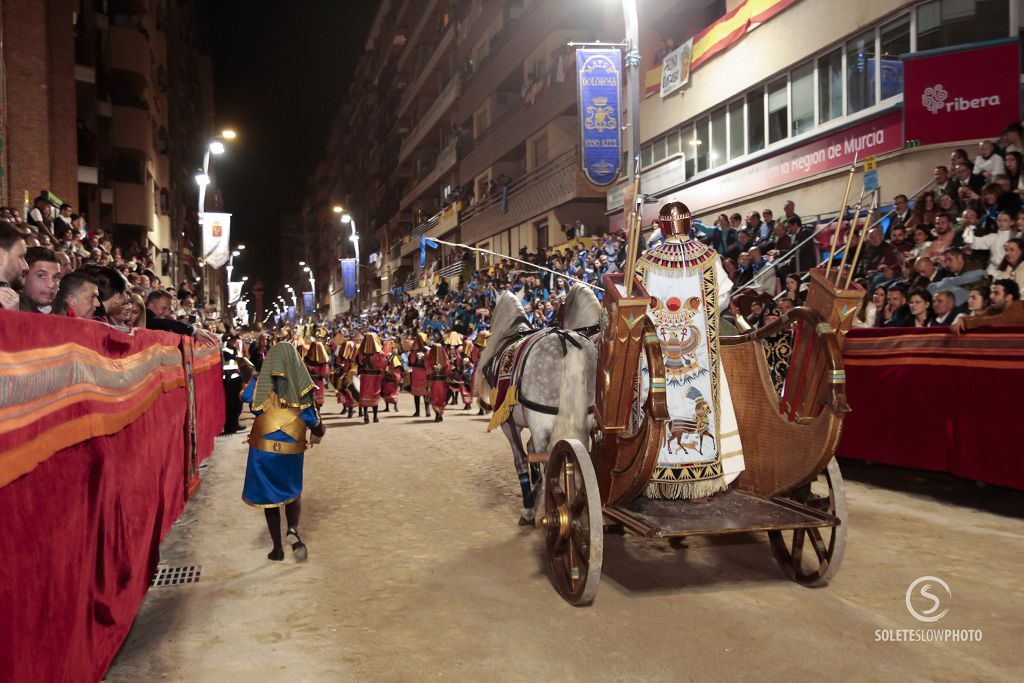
{"x": 312, "y": 285}
{"x": 347, "y": 219}
{"x": 214, "y": 147}
{"x": 629, "y": 16}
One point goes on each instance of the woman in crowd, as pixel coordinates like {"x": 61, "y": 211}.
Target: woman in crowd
{"x": 1010, "y": 268}
{"x": 977, "y": 302}
{"x": 792, "y": 289}
{"x": 920, "y": 307}
{"x": 924, "y": 210}
{"x": 1014, "y": 166}
{"x": 870, "y": 307}
{"x": 921, "y": 238}
{"x": 949, "y": 203}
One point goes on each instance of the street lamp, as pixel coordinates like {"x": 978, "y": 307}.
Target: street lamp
{"x": 215, "y": 147}
{"x": 312, "y": 285}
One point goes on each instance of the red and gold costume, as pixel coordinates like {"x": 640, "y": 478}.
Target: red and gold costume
{"x": 318, "y": 363}
{"x": 346, "y": 370}
{"x": 417, "y": 363}
{"x": 372, "y": 362}
{"x": 440, "y": 368}
{"x": 392, "y": 382}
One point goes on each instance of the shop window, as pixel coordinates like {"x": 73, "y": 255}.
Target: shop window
{"x": 895, "y": 42}
{"x": 801, "y": 84}
{"x": 718, "y": 154}
{"x": 942, "y": 23}
{"x": 689, "y": 150}
{"x": 830, "y": 86}
{"x": 755, "y": 121}
{"x": 737, "y": 139}
{"x": 860, "y": 72}
{"x": 778, "y": 111}
{"x": 701, "y": 143}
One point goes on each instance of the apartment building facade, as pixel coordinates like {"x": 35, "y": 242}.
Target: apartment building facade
{"x": 106, "y": 105}
{"x": 780, "y": 111}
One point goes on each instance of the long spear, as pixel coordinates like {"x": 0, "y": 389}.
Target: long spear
{"x": 842, "y": 211}
{"x": 860, "y": 242}
{"x": 633, "y": 230}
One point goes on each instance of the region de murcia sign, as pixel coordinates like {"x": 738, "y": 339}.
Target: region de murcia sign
{"x": 961, "y": 93}
{"x": 600, "y": 106}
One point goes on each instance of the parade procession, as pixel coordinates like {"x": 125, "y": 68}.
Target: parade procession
{"x": 647, "y": 340}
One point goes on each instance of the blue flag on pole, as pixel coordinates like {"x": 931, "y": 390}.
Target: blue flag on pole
{"x": 424, "y": 243}
{"x": 348, "y": 278}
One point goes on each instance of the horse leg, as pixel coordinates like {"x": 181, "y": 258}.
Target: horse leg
{"x": 512, "y": 433}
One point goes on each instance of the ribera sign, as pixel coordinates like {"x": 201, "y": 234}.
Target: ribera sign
{"x": 961, "y": 93}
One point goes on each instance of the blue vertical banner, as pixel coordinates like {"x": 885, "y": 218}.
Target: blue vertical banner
{"x": 348, "y": 277}
{"x": 307, "y": 303}
{"x": 599, "y": 73}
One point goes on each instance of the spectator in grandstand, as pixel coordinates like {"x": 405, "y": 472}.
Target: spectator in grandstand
{"x": 901, "y": 209}
{"x": 920, "y": 304}
{"x": 875, "y": 256}
{"x": 898, "y": 240}
{"x": 12, "y": 265}
{"x": 896, "y": 312}
{"x": 944, "y": 309}
{"x": 1011, "y": 142}
{"x": 944, "y": 184}
{"x": 944, "y": 236}
{"x": 77, "y": 296}
{"x": 988, "y": 163}
{"x": 1014, "y": 166}
{"x": 871, "y": 307}
{"x": 963, "y": 274}
{"x": 920, "y": 241}
{"x": 948, "y": 203}
{"x": 791, "y": 289}
{"x": 158, "y": 317}
{"x": 969, "y": 184}
{"x": 113, "y": 292}
{"x": 789, "y": 209}
{"x": 989, "y": 247}
{"x": 1012, "y": 265}
{"x": 1005, "y": 308}
{"x": 41, "y": 281}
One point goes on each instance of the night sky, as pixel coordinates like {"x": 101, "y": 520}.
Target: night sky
{"x": 280, "y": 71}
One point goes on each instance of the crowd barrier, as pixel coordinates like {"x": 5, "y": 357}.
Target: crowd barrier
{"x": 101, "y": 437}
{"x": 928, "y": 399}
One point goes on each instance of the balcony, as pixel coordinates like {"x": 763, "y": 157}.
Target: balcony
{"x": 543, "y": 189}
{"x": 131, "y": 128}
{"x": 516, "y": 126}
{"x": 133, "y": 204}
{"x": 426, "y": 71}
{"x": 426, "y": 18}
{"x": 129, "y": 51}
{"x": 430, "y": 118}
{"x": 519, "y": 40}
{"x": 446, "y": 161}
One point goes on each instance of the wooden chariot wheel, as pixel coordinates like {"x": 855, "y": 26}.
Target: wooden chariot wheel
{"x": 573, "y": 528}
{"x": 812, "y": 556}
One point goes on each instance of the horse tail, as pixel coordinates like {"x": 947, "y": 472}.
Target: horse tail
{"x": 571, "y": 421}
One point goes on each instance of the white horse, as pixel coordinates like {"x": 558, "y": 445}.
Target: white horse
{"x": 556, "y": 386}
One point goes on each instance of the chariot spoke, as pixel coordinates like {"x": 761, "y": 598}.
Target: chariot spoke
{"x": 819, "y": 546}
{"x": 579, "y": 542}
{"x": 798, "y": 548}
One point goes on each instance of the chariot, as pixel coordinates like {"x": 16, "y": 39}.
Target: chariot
{"x": 791, "y": 487}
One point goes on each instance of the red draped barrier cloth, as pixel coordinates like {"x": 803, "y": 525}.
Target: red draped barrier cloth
{"x": 927, "y": 399}
{"x": 93, "y": 473}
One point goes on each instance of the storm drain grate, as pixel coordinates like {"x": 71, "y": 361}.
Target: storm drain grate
{"x": 176, "y": 576}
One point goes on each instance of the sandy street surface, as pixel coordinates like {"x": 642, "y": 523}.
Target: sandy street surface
{"x": 418, "y": 571}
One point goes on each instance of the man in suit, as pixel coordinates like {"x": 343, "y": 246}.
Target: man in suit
{"x": 944, "y": 307}
{"x": 969, "y": 184}
{"x": 927, "y": 273}
{"x": 944, "y": 183}
{"x": 158, "y": 317}
{"x": 901, "y": 209}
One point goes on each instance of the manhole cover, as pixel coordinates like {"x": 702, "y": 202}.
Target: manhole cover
{"x": 176, "y": 576}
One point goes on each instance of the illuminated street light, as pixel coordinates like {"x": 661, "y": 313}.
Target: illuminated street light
{"x": 216, "y": 147}
{"x": 202, "y": 179}
{"x": 228, "y": 134}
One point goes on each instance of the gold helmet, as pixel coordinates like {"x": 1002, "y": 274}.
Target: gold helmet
{"x": 371, "y": 344}
{"x": 420, "y": 341}
{"x": 674, "y": 219}
{"x": 349, "y": 351}
{"x": 453, "y": 338}
{"x": 481, "y": 338}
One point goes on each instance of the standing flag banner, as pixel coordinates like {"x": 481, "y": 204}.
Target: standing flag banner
{"x": 216, "y": 238}
{"x": 235, "y": 291}
{"x": 307, "y": 302}
{"x": 961, "y": 93}
{"x": 675, "y": 71}
{"x": 348, "y": 278}
{"x": 242, "y": 312}
{"x": 599, "y": 73}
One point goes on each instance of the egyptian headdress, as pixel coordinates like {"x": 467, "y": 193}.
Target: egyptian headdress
{"x": 296, "y": 391}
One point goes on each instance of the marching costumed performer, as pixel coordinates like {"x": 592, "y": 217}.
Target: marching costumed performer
{"x": 392, "y": 381}
{"x": 474, "y": 359}
{"x": 440, "y": 368}
{"x": 701, "y": 452}
{"x": 418, "y": 373}
{"x": 348, "y": 394}
{"x": 371, "y": 362}
{"x": 282, "y": 399}
{"x": 453, "y": 345}
{"x": 318, "y": 363}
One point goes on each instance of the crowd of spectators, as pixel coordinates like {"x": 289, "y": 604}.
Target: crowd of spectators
{"x": 52, "y": 262}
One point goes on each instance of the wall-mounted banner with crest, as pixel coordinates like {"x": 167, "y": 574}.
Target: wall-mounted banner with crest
{"x": 600, "y": 105}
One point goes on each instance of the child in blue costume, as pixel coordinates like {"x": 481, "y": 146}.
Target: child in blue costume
{"x": 282, "y": 398}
